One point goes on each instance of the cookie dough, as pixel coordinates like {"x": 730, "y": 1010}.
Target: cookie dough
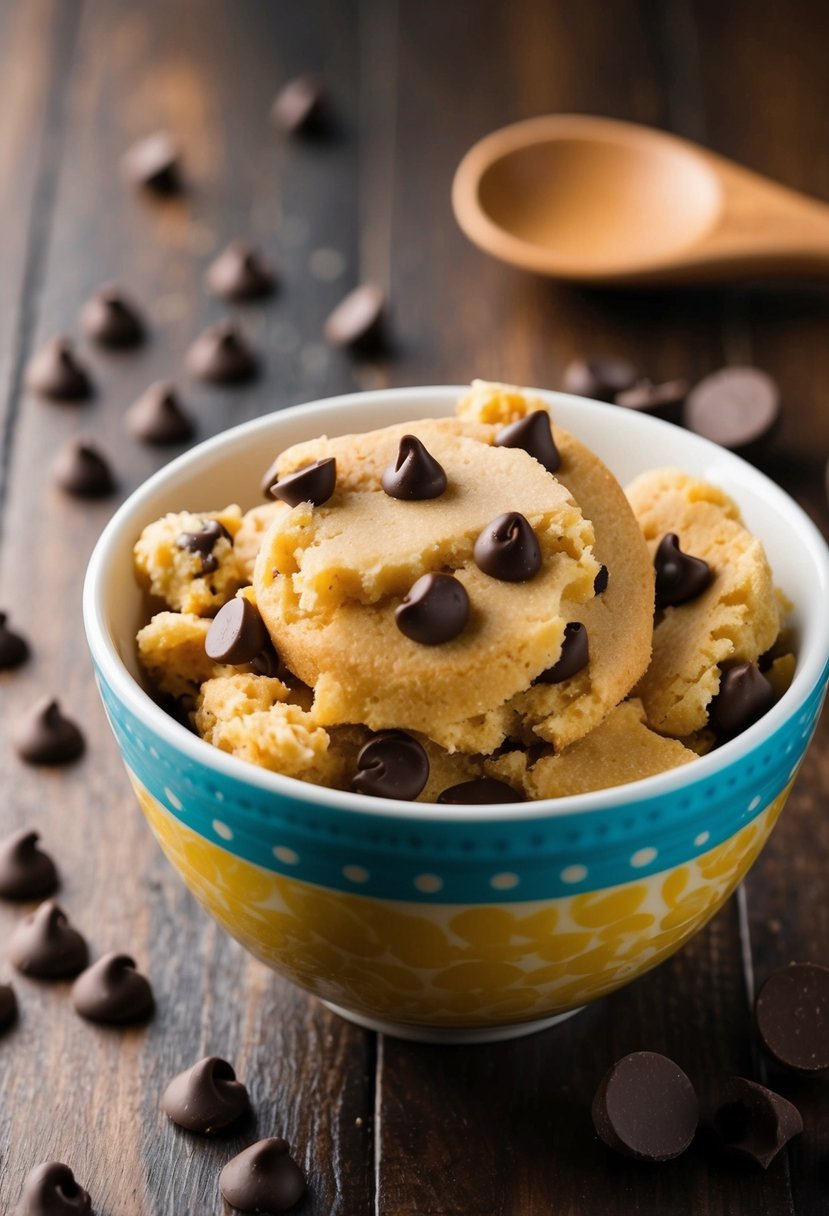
{"x": 180, "y": 576}
{"x": 735, "y": 619}
{"x": 171, "y": 651}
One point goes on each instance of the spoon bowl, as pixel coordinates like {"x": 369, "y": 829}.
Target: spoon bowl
{"x": 596, "y": 200}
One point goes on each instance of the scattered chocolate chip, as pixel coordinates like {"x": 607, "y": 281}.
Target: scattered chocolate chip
{"x": 534, "y": 434}
{"x": 574, "y": 657}
{"x": 56, "y": 372}
{"x": 8, "y": 1007}
{"x": 111, "y": 990}
{"x": 508, "y": 549}
{"x": 239, "y": 273}
{"x": 45, "y": 736}
{"x": 14, "y": 649}
{"x": 745, "y": 695}
{"x": 50, "y": 1189}
{"x": 263, "y": 1178}
{"x": 646, "y": 1108}
{"x": 358, "y": 321}
{"x": 415, "y": 474}
{"x": 301, "y": 107}
{"x": 601, "y": 580}
{"x": 680, "y": 577}
{"x": 82, "y": 470}
{"x": 313, "y": 483}
{"x": 391, "y": 765}
{"x": 206, "y": 1097}
{"x": 753, "y": 1121}
{"x": 237, "y": 633}
{"x": 664, "y": 400}
{"x": 26, "y": 872}
{"x": 111, "y": 319}
{"x": 735, "y": 407}
{"x": 434, "y": 611}
{"x": 45, "y": 945}
{"x": 600, "y": 377}
{"x": 221, "y": 354}
{"x": 154, "y": 163}
{"x": 791, "y": 1014}
{"x": 203, "y": 542}
{"x": 480, "y": 791}
{"x": 157, "y": 416}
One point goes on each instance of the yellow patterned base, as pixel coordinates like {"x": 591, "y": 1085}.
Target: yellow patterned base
{"x": 450, "y": 965}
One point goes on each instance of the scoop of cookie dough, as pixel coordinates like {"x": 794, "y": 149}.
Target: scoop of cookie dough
{"x": 188, "y": 563}
{"x": 735, "y": 619}
{"x": 328, "y": 579}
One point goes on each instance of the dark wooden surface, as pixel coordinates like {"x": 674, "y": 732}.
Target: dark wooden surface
{"x": 382, "y": 1126}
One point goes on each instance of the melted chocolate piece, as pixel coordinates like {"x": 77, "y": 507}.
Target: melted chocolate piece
{"x": 415, "y": 474}
{"x": 26, "y": 872}
{"x": 14, "y": 649}
{"x": 745, "y": 695}
{"x": 157, "y": 417}
{"x": 680, "y": 578}
{"x": 434, "y": 611}
{"x": 263, "y": 1178}
{"x": 508, "y": 549}
{"x": 206, "y": 1097}
{"x": 203, "y": 542}
{"x": 237, "y": 633}
{"x": 534, "y": 434}
{"x": 83, "y": 471}
{"x": 391, "y": 765}
{"x": 239, "y": 273}
{"x": 480, "y": 791}
{"x": 45, "y": 945}
{"x": 646, "y": 1108}
{"x": 600, "y": 377}
{"x": 315, "y": 483}
{"x": 56, "y": 373}
{"x": 50, "y": 1189}
{"x": 357, "y": 323}
{"x": 754, "y": 1122}
{"x": 222, "y": 355}
{"x": 111, "y": 319}
{"x": 45, "y": 736}
{"x": 8, "y": 1007}
{"x": 154, "y": 163}
{"x": 574, "y": 657}
{"x": 111, "y": 990}
{"x": 791, "y": 1014}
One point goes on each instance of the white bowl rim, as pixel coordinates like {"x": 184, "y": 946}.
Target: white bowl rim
{"x": 812, "y": 657}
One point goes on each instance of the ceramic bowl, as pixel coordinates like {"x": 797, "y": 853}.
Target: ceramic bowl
{"x": 450, "y": 923}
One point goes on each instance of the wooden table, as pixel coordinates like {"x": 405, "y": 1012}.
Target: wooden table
{"x": 381, "y": 1126}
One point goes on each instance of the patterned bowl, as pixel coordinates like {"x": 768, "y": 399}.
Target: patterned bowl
{"x": 446, "y": 923}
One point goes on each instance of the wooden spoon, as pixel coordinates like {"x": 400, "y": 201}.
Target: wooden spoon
{"x": 600, "y": 201}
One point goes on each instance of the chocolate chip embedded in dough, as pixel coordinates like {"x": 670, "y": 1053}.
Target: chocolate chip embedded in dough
{"x": 791, "y": 1014}
{"x": 508, "y": 549}
{"x": 391, "y": 765}
{"x": 314, "y": 483}
{"x": 574, "y": 657}
{"x": 45, "y": 736}
{"x": 415, "y": 474}
{"x": 240, "y": 273}
{"x": 206, "y": 1097}
{"x": 745, "y": 695}
{"x": 533, "y": 434}
{"x": 50, "y": 1189}
{"x": 754, "y": 1122}
{"x": 45, "y": 945}
{"x": 26, "y": 872}
{"x": 112, "y": 990}
{"x": 601, "y": 580}
{"x": 237, "y": 633}
{"x": 680, "y": 577}
{"x": 434, "y": 611}
{"x": 646, "y": 1108}
{"x": 263, "y": 1178}
{"x": 479, "y": 792}
{"x": 203, "y": 542}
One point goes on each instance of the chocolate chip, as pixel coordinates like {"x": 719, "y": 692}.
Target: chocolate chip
{"x": 357, "y": 322}
{"x": 50, "y": 1189}
{"x": 735, "y": 407}
{"x": 45, "y": 945}
{"x": 239, "y": 273}
{"x": 154, "y": 163}
{"x": 8, "y": 1007}
{"x": 263, "y": 1178}
{"x": 680, "y": 577}
{"x": 434, "y": 611}
{"x": 391, "y": 765}
{"x": 646, "y": 1108}
{"x": 753, "y": 1121}
{"x": 574, "y": 657}
{"x": 415, "y": 474}
{"x": 82, "y": 470}
{"x": 313, "y": 483}
{"x": 534, "y": 434}
{"x": 45, "y": 736}
{"x": 26, "y": 872}
{"x": 268, "y": 663}
{"x": 56, "y": 372}
{"x": 480, "y": 791}
{"x": 14, "y": 649}
{"x": 206, "y": 1097}
{"x": 111, "y": 990}
{"x": 237, "y": 633}
{"x": 221, "y": 354}
{"x": 601, "y": 377}
{"x": 203, "y": 542}
{"x": 508, "y": 549}
{"x": 111, "y": 319}
{"x": 665, "y": 400}
{"x": 744, "y": 696}
{"x": 157, "y": 416}
{"x": 301, "y": 107}
{"x": 791, "y": 1014}
{"x": 601, "y": 580}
